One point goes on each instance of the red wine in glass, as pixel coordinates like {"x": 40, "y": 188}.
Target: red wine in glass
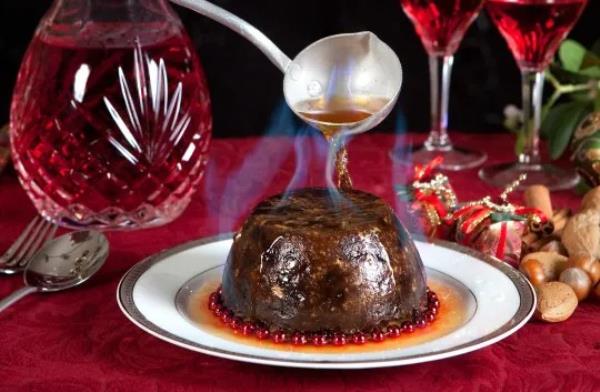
{"x": 111, "y": 132}
{"x": 441, "y": 25}
{"x": 533, "y": 30}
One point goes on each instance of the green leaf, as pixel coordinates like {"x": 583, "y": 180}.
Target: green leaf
{"x": 568, "y": 77}
{"x": 592, "y": 72}
{"x": 596, "y": 48}
{"x": 582, "y": 188}
{"x": 560, "y": 124}
{"x": 580, "y": 96}
{"x": 590, "y": 60}
{"x": 572, "y": 54}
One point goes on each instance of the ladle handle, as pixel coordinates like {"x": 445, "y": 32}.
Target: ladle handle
{"x": 15, "y": 296}
{"x": 241, "y": 27}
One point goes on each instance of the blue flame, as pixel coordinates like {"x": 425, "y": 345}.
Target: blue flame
{"x": 231, "y": 195}
{"x": 402, "y": 165}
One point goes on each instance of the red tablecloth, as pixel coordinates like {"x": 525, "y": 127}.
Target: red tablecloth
{"x": 80, "y": 341}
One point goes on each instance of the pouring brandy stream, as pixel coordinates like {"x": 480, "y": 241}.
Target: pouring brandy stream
{"x": 333, "y": 116}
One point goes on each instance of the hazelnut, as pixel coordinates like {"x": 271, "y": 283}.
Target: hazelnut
{"x": 552, "y": 263}
{"x": 533, "y": 270}
{"x": 579, "y": 281}
{"x": 587, "y": 263}
{"x": 594, "y": 272}
{"x": 596, "y": 291}
{"x": 556, "y": 302}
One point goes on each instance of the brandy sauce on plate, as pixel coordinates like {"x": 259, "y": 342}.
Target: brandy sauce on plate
{"x": 452, "y": 314}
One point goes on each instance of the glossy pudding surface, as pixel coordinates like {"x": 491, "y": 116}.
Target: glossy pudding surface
{"x": 314, "y": 261}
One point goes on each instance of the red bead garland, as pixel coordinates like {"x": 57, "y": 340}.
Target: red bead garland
{"x": 420, "y": 320}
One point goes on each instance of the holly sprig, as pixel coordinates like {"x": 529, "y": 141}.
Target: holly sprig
{"x": 575, "y": 81}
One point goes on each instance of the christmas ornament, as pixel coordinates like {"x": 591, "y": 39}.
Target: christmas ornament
{"x": 431, "y": 199}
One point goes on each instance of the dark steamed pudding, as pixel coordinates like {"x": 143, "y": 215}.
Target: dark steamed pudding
{"x": 311, "y": 262}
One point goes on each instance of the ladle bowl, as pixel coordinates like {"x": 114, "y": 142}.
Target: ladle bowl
{"x": 352, "y": 67}
{"x": 357, "y": 68}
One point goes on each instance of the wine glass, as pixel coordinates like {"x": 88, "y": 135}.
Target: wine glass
{"x": 533, "y": 30}
{"x": 441, "y": 25}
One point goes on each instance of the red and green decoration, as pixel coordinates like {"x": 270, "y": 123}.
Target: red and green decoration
{"x": 431, "y": 199}
{"x": 494, "y": 227}
{"x": 586, "y": 149}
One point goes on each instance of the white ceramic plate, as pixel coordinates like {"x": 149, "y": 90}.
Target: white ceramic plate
{"x": 498, "y": 301}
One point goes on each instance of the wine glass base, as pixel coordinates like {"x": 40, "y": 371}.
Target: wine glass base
{"x": 546, "y": 174}
{"x": 455, "y": 158}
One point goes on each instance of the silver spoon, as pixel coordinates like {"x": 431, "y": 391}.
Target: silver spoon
{"x": 356, "y": 66}
{"x": 62, "y": 263}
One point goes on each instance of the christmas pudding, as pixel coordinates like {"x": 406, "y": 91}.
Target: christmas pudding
{"x": 317, "y": 260}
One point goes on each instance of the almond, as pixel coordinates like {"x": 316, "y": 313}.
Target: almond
{"x": 581, "y": 235}
{"x": 554, "y": 246}
{"x": 556, "y": 302}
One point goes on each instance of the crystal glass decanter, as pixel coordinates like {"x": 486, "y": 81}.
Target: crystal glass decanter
{"x": 110, "y": 121}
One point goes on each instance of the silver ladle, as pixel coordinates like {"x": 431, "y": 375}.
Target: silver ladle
{"x": 356, "y": 66}
{"x": 62, "y": 263}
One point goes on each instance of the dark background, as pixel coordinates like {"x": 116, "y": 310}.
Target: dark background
{"x": 246, "y": 87}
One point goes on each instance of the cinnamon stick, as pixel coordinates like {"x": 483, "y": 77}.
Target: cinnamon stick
{"x": 538, "y": 196}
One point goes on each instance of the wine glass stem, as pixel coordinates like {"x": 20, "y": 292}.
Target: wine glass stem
{"x": 533, "y": 89}
{"x": 440, "y": 69}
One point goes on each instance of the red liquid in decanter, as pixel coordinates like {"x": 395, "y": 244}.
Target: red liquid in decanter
{"x": 111, "y": 133}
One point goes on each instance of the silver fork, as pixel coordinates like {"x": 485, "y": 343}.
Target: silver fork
{"x": 37, "y": 232}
